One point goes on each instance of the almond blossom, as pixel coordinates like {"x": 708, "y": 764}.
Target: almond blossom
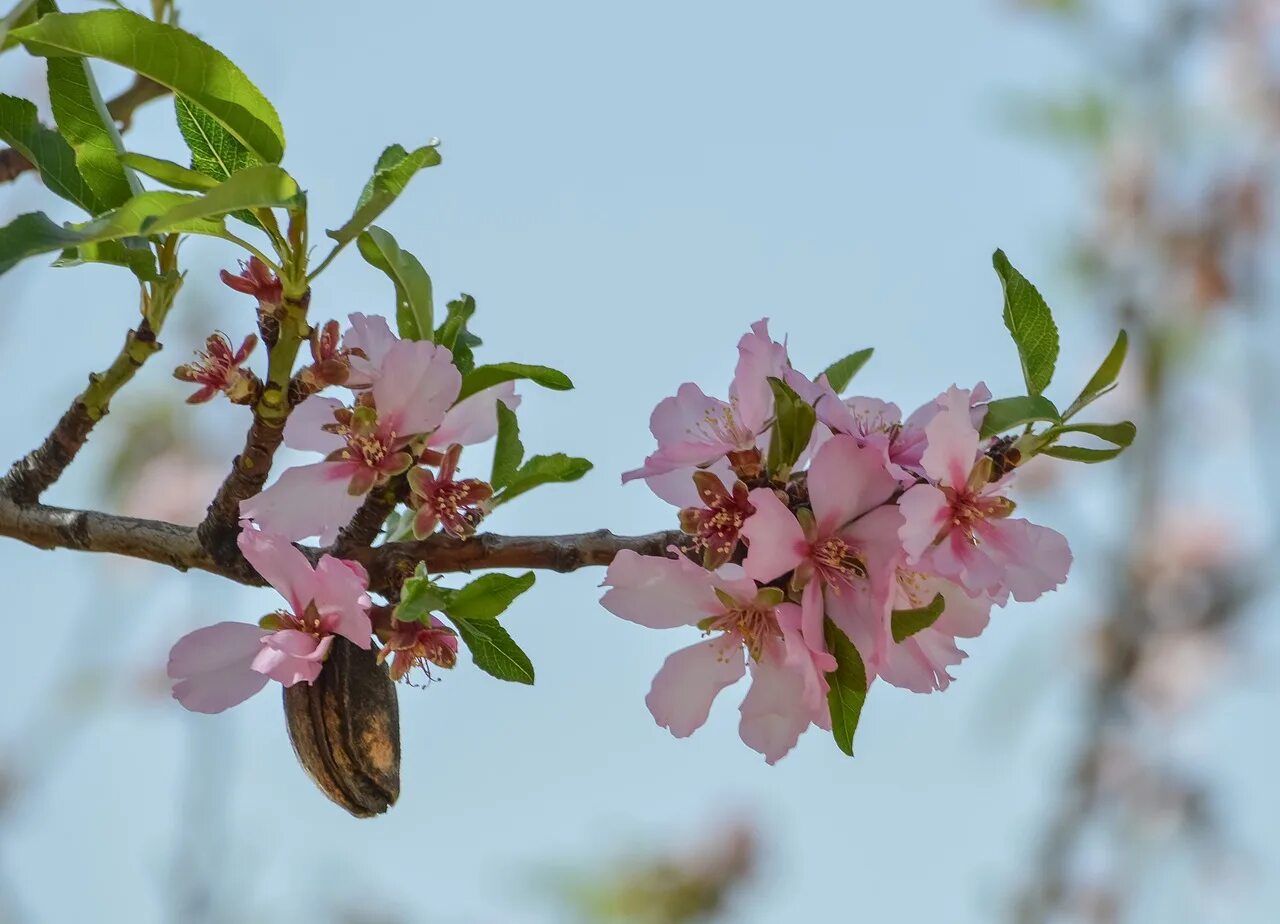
{"x": 919, "y": 663}
{"x": 958, "y": 525}
{"x": 748, "y": 627}
{"x": 220, "y": 666}
{"x": 695, "y": 431}
{"x": 364, "y": 446}
{"x": 217, "y": 369}
{"x": 841, "y": 551}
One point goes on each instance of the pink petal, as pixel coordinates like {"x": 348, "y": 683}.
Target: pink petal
{"x": 759, "y": 357}
{"x": 924, "y": 511}
{"x": 278, "y": 561}
{"x": 812, "y": 611}
{"x": 475, "y": 419}
{"x": 952, "y": 440}
{"x": 776, "y": 542}
{"x": 845, "y": 481}
{"x": 775, "y": 710}
{"x": 417, "y": 384}
{"x": 660, "y": 593}
{"x": 304, "y": 430}
{"x": 211, "y": 666}
{"x": 373, "y": 336}
{"x": 307, "y": 500}
{"x": 342, "y": 600}
{"x": 290, "y": 656}
{"x": 689, "y": 680}
{"x": 676, "y": 486}
{"x": 920, "y": 663}
{"x": 1036, "y": 559}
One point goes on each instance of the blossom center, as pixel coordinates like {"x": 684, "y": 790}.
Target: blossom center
{"x": 837, "y": 562}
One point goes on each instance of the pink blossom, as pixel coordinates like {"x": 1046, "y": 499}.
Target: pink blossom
{"x": 412, "y": 644}
{"x": 695, "y": 431}
{"x": 747, "y": 625}
{"x": 842, "y": 554}
{"x": 222, "y": 665}
{"x": 367, "y": 341}
{"x": 415, "y": 387}
{"x": 256, "y": 279}
{"x": 958, "y": 525}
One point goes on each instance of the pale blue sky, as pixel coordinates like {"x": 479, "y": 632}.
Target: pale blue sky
{"x": 624, "y": 189}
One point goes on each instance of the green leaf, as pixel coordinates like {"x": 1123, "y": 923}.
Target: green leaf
{"x": 841, "y": 372}
{"x": 488, "y": 596}
{"x": 848, "y": 687}
{"x": 86, "y": 125}
{"x": 22, "y": 14}
{"x": 263, "y": 186}
{"x": 419, "y": 598}
{"x": 34, "y": 233}
{"x": 215, "y": 152}
{"x": 493, "y": 650}
{"x": 47, "y": 151}
{"x": 793, "y": 425}
{"x": 508, "y": 451}
{"x": 482, "y": 377}
{"x": 907, "y": 623}
{"x": 395, "y": 168}
{"x": 139, "y": 259}
{"x": 169, "y": 173}
{"x": 1080, "y": 454}
{"x": 1006, "y": 413}
{"x": 1030, "y": 322}
{"x": 413, "y": 285}
{"x": 171, "y": 57}
{"x": 540, "y": 470}
{"x": 454, "y": 335}
{"x": 1120, "y": 435}
{"x": 1105, "y": 377}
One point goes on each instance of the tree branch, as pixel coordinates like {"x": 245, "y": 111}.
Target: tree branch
{"x": 121, "y": 108}
{"x": 178, "y": 547}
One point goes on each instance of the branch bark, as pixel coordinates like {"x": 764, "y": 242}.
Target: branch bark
{"x": 179, "y": 547}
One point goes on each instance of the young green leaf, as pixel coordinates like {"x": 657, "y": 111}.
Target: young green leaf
{"x": 508, "y": 451}
{"x": 841, "y": 372}
{"x": 540, "y": 470}
{"x": 1081, "y": 454}
{"x": 493, "y": 650}
{"x": 1006, "y": 413}
{"x": 34, "y": 233}
{"x": 1104, "y": 378}
{"x": 793, "y": 425}
{"x": 395, "y": 168}
{"x": 169, "y": 173}
{"x": 848, "y": 687}
{"x": 488, "y": 596}
{"x": 86, "y": 125}
{"x": 133, "y": 254}
{"x": 419, "y": 598}
{"x": 906, "y": 623}
{"x": 1030, "y": 323}
{"x": 482, "y": 377}
{"x": 22, "y": 14}
{"x": 47, "y": 151}
{"x": 263, "y": 186}
{"x": 413, "y": 285}
{"x": 171, "y": 57}
{"x": 215, "y": 152}
{"x": 454, "y": 336}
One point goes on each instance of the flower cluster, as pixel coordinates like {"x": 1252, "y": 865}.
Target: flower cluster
{"x": 815, "y": 521}
{"x": 403, "y": 415}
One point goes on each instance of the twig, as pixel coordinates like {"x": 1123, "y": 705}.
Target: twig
{"x": 31, "y": 475}
{"x": 179, "y": 547}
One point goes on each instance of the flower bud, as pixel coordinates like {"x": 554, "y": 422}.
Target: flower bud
{"x": 345, "y": 730}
